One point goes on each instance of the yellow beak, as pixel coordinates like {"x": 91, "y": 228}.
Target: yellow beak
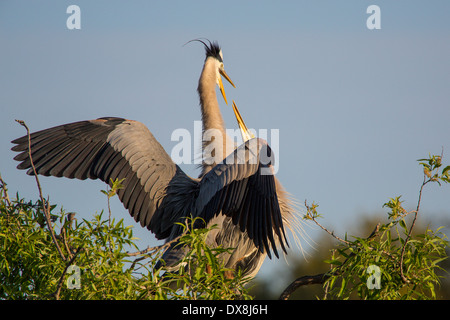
{"x": 224, "y": 74}
{"x": 246, "y": 134}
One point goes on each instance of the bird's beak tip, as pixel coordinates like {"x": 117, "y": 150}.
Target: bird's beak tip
{"x": 225, "y": 75}
{"x": 222, "y": 90}
{"x": 246, "y": 134}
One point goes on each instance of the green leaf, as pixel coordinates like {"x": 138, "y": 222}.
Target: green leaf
{"x": 333, "y": 262}
{"x": 402, "y": 224}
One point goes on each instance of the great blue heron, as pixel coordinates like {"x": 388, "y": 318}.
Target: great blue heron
{"x": 250, "y": 208}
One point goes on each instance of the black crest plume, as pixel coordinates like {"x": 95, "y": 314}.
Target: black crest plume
{"x": 212, "y": 50}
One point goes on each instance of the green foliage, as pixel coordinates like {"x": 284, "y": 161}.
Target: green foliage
{"x": 395, "y": 261}
{"x": 431, "y": 167}
{"x": 352, "y": 277}
{"x": 32, "y": 268}
{"x": 392, "y": 262}
{"x": 204, "y": 275}
{"x": 115, "y": 186}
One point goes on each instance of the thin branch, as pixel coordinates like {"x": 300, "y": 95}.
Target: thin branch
{"x": 147, "y": 250}
{"x": 303, "y": 281}
{"x": 60, "y": 282}
{"x": 413, "y": 223}
{"x": 136, "y": 261}
{"x": 322, "y": 277}
{"x": 155, "y": 248}
{"x": 45, "y": 208}
{"x": 69, "y": 221}
{"x": 109, "y": 222}
{"x": 150, "y": 250}
{"x": 5, "y": 191}
{"x": 312, "y": 217}
{"x": 66, "y": 245}
{"x": 331, "y": 233}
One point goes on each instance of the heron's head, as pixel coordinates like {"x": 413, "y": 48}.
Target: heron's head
{"x": 214, "y": 55}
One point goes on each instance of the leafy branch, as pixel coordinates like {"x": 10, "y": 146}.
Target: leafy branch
{"x": 431, "y": 167}
{"x": 408, "y": 263}
{"x": 45, "y": 208}
{"x": 30, "y": 267}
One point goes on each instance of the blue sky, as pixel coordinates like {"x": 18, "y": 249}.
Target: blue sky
{"x": 355, "y": 108}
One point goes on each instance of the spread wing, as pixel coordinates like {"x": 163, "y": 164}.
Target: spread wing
{"x": 243, "y": 187}
{"x": 110, "y": 148}
{"x": 156, "y": 192}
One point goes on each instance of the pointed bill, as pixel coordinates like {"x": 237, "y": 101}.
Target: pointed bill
{"x": 246, "y": 134}
{"x": 224, "y": 74}
{"x": 222, "y": 90}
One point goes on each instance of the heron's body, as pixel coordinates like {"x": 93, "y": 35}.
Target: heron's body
{"x": 250, "y": 208}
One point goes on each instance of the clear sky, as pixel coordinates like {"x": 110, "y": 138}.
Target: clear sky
{"x": 355, "y": 108}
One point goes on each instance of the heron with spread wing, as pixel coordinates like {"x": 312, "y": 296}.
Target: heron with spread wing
{"x": 234, "y": 191}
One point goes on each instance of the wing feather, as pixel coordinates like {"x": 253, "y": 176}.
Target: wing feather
{"x": 110, "y": 148}
{"x": 239, "y": 187}
{"x": 83, "y": 170}
{"x": 156, "y": 192}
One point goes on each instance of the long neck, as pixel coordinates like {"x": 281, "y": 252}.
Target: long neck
{"x": 215, "y": 142}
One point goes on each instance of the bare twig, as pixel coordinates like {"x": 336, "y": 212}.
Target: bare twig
{"x": 375, "y": 231}
{"x": 151, "y": 249}
{"x": 45, "y": 208}
{"x": 331, "y": 233}
{"x": 61, "y": 279}
{"x": 155, "y": 248}
{"x": 413, "y": 223}
{"x": 426, "y": 179}
{"x": 302, "y": 281}
{"x": 147, "y": 250}
{"x": 5, "y": 192}
{"x": 109, "y": 209}
{"x": 64, "y": 237}
{"x": 322, "y": 277}
{"x": 312, "y": 217}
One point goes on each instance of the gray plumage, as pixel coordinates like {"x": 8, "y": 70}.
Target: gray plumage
{"x": 250, "y": 208}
